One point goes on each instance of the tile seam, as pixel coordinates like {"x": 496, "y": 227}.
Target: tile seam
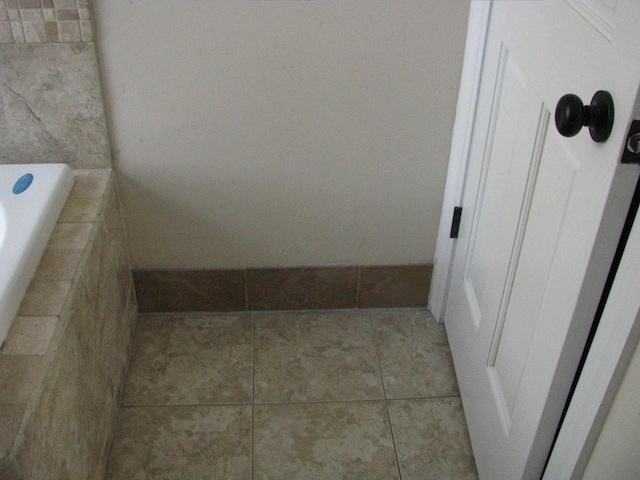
{"x": 358, "y": 287}
{"x": 246, "y": 290}
{"x": 269, "y": 404}
{"x": 386, "y": 403}
{"x": 253, "y": 391}
{"x": 186, "y": 405}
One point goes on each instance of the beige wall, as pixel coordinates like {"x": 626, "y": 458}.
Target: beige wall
{"x": 615, "y": 455}
{"x": 281, "y": 133}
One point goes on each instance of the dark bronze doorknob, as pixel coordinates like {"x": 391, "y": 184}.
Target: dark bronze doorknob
{"x": 572, "y": 115}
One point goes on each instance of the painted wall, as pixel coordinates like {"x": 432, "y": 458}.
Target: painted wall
{"x": 616, "y": 452}
{"x": 281, "y": 133}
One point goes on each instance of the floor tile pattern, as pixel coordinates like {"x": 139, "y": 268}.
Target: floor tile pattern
{"x": 367, "y": 394}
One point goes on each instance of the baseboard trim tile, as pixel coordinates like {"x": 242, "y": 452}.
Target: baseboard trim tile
{"x": 394, "y": 286}
{"x": 190, "y": 290}
{"x": 306, "y": 288}
{"x": 291, "y": 288}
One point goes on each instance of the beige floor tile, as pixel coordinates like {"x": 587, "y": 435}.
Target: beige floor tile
{"x": 180, "y": 443}
{"x": 323, "y": 441}
{"x": 431, "y": 439}
{"x": 414, "y": 354}
{"x": 301, "y": 357}
{"x": 314, "y": 357}
{"x": 190, "y": 360}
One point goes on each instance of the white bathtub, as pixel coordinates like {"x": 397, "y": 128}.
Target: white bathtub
{"x": 31, "y": 199}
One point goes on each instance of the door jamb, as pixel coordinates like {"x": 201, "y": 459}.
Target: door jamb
{"x": 477, "y": 28}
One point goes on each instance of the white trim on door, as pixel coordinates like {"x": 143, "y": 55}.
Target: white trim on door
{"x": 462, "y": 131}
{"x": 619, "y": 330}
{"x": 609, "y": 356}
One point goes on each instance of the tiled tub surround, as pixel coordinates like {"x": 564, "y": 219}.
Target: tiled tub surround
{"x": 52, "y": 107}
{"x": 359, "y": 394}
{"x": 305, "y": 288}
{"x": 62, "y": 367}
{"x": 45, "y": 21}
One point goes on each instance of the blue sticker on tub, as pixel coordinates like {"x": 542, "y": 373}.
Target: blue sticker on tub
{"x": 22, "y": 183}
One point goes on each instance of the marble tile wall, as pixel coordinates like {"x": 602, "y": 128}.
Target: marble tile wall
{"x": 63, "y": 365}
{"x": 52, "y": 108}
{"x": 45, "y": 21}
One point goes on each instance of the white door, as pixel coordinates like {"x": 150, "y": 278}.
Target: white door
{"x": 541, "y": 217}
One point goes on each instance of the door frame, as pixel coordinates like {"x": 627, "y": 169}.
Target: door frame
{"x": 477, "y": 29}
{"x": 618, "y": 333}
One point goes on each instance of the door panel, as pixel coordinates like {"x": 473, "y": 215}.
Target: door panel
{"x": 521, "y": 301}
{"x": 601, "y": 14}
{"x": 532, "y": 272}
{"x": 506, "y": 174}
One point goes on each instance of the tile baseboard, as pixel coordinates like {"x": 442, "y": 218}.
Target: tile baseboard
{"x": 295, "y": 288}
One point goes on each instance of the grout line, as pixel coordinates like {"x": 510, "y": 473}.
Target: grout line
{"x": 287, "y": 402}
{"x": 253, "y": 361}
{"x": 384, "y": 391}
{"x": 358, "y": 288}
{"x": 305, "y": 402}
{"x": 160, "y": 405}
{"x": 253, "y": 397}
{"x": 284, "y": 402}
{"x": 375, "y": 348}
{"x": 425, "y": 397}
{"x": 184, "y": 314}
{"x": 246, "y": 290}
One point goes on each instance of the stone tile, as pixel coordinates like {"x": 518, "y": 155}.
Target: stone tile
{"x": 10, "y": 420}
{"x": 86, "y": 29}
{"x": 323, "y": 441}
{"x": 20, "y": 375}
{"x": 182, "y": 443}
{"x": 70, "y": 236}
{"x": 414, "y": 354}
{"x": 34, "y": 31}
{"x": 431, "y": 439}
{"x": 190, "y": 360}
{"x": 64, "y": 3}
{"x": 9, "y": 470}
{"x": 394, "y": 286}
{"x": 80, "y": 210}
{"x": 90, "y": 183}
{"x": 58, "y": 264}
{"x": 302, "y": 288}
{"x": 69, "y": 31}
{"x": 102, "y": 328}
{"x": 6, "y": 34}
{"x": 30, "y": 336}
{"x": 51, "y": 27}
{"x": 52, "y": 102}
{"x": 29, "y": 3}
{"x": 67, "y": 14}
{"x": 227, "y": 290}
{"x": 314, "y": 356}
{"x": 190, "y": 290}
{"x": 109, "y": 360}
{"x": 48, "y": 13}
{"x": 44, "y": 298}
{"x": 63, "y": 431}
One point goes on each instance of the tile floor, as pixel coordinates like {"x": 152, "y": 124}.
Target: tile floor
{"x": 367, "y": 394}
